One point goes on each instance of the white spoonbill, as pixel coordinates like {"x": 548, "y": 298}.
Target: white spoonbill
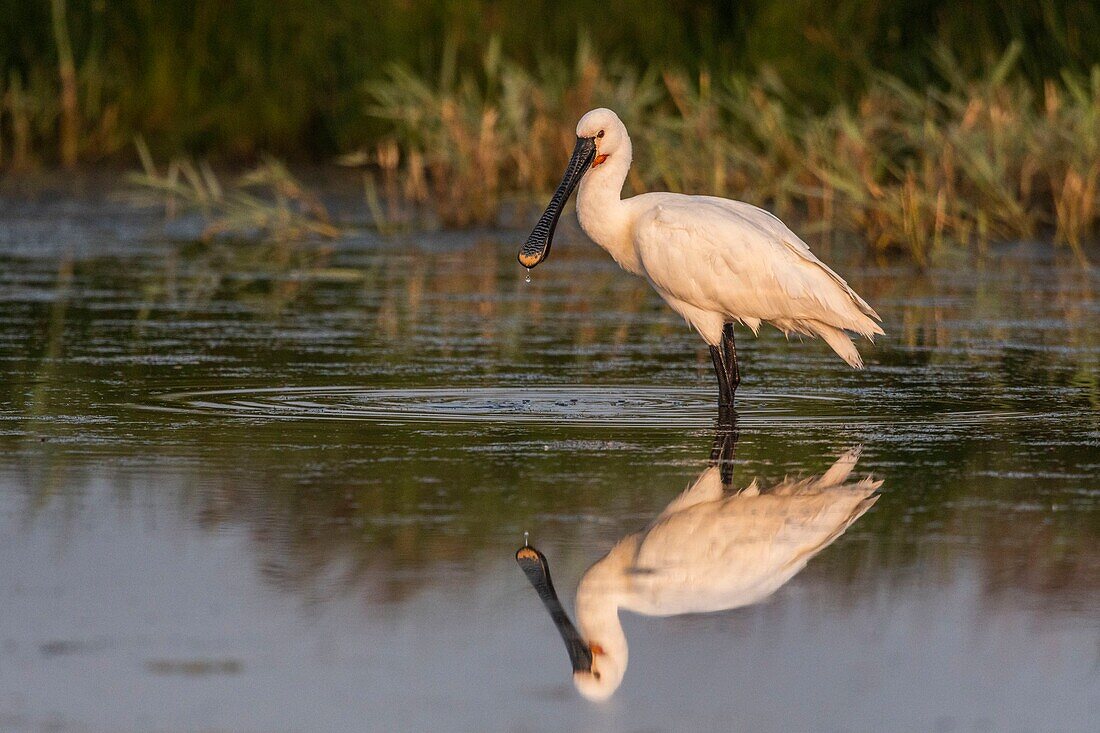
{"x": 707, "y": 551}
{"x": 713, "y": 260}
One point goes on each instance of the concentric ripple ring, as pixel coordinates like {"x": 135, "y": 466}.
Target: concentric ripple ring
{"x": 631, "y": 406}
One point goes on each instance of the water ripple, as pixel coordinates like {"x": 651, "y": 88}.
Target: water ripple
{"x": 561, "y": 406}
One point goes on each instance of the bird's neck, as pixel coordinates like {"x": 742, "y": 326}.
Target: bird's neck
{"x": 598, "y": 599}
{"x": 603, "y": 214}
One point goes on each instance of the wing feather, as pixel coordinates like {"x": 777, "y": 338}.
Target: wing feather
{"x": 715, "y": 253}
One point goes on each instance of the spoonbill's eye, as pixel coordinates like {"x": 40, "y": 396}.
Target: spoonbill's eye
{"x": 596, "y": 674}
{"x": 599, "y": 134}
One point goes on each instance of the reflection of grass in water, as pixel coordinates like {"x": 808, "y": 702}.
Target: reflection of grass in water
{"x": 346, "y": 507}
{"x": 268, "y": 275}
{"x": 382, "y": 513}
{"x": 194, "y": 667}
{"x": 414, "y": 304}
{"x": 945, "y": 315}
{"x": 905, "y": 168}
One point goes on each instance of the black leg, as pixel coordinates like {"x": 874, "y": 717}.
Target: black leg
{"x": 726, "y": 416}
{"x": 729, "y": 358}
{"x": 721, "y": 455}
{"x": 729, "y": 376}
{"x": 725, "y": 394}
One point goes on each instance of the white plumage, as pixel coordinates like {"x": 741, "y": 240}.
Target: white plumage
{"x": 714, "y": 261}
{"x": 710, "y": 550}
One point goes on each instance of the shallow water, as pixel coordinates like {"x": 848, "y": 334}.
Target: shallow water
{"x": 253, "y": 487}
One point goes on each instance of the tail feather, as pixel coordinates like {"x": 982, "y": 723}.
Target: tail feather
{"x": 839, "y": 341}
{"x": 838, "y": 473}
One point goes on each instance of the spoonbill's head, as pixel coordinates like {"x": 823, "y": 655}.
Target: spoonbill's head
{"x": 597, "y": 669}
{"x": 606, "y": 130}
{"x": 598, "y": 618}
{"x": 605, "y": 676}
{"x": 600, "y": 135}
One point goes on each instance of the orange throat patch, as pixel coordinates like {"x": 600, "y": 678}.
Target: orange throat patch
{"x": 599, "y": 160}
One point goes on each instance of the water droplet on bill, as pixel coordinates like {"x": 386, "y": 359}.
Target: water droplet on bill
{"x": 528, "y": 277}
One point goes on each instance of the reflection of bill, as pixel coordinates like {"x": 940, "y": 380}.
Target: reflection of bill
{"x": 709, "y": 550}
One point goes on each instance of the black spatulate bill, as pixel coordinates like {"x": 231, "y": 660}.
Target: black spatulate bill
{"x": 537, "y": 570}
{"x": 537, "y": 247}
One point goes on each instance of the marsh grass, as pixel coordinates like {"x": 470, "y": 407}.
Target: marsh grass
{"x": 915, "y": 167}
{"x": 266, "y": 201}
{"x": 470, "y": 141}
{"x": 976, "y": 159}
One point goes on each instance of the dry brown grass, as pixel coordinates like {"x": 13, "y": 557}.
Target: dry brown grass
{"x": 910, "y": 170}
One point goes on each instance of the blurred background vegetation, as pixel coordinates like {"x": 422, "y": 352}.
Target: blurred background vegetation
{"x": 906, "y": 122}
{"x": 289, "y": 77}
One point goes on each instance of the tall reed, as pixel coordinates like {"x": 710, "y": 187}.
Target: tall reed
{"x": 978, "y": 158}
{"x": 266, "y": 201}
{"x": 66, "y": 71}
{"x": 468, "y": 140}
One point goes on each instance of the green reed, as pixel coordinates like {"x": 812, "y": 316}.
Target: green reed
{"x": 266, "y": 201}
{"x": 835, "y": 115}
{"x": 908, "y": 169}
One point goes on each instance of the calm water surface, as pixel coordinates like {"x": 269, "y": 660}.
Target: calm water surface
{"x": 264, "y": 487}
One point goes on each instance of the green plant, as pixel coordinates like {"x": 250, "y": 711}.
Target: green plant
{"x": 266, "y": 201}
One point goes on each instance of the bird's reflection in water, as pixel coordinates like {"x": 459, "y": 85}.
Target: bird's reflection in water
{"x": 712, "y": 548}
